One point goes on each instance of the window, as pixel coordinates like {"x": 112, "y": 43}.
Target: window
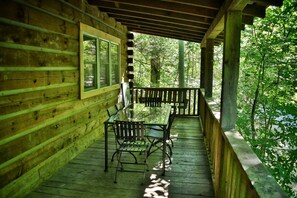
{"x": 99, "y": 61}
{"x": 90, "y": 62}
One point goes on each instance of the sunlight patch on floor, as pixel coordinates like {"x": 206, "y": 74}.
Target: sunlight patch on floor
{"x": 157, "y": 188}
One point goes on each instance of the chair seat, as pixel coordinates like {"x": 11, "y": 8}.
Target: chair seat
{"x": 134, "y": 146}
{"x": 154, "y": 133}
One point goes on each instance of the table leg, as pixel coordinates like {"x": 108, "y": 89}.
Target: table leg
{"x": 106, "y": 146}
{"x": 164, "y": 151}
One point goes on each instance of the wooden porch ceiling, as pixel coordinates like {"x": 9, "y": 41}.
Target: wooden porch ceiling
{"x": 190, "y": 20}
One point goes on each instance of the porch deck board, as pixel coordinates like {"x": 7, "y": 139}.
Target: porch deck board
{"x": 188, "y": 175}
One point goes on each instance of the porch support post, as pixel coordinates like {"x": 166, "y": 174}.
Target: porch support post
{"x": 209, "y": 68}
{"x": 202, "y": 68}
{"x": 231, "y": 56}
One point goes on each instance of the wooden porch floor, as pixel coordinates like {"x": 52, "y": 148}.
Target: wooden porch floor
{"x": 188, "y": 175}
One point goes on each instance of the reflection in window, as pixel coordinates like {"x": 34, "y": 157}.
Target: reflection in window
{"x": 114, "y": 53}
{"x": 90, "y": 62}
{"x": 104, "y": 63}
{"x": 99, "y": 61}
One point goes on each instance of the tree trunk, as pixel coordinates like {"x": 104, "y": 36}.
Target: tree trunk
{"x": 155, "y": 70}
{"x": 181, "y": 64}
{"x": 253, "y": 112}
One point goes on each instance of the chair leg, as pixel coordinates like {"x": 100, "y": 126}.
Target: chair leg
{"x": 171, "y": 142}
{"x": 129, "y": 152}
{"x": 170, "y": 150}
{"x": 154, "y": 143}
{"x": 150, "y": 147}
{"x": 113, "y": 155}
{"x": 169, "y": 157}
{"x": 145, "y": 167}
{"x": 117, "y": 168}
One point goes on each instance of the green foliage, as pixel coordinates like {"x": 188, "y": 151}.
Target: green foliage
{"x": 166, "y": 50}
{"x": 267, "y": 92}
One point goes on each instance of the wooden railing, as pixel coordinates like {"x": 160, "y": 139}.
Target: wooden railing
{"x": 184, "y": 99}
{"x": 237, "y": 171}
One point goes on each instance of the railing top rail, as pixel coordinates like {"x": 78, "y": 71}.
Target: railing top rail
{"x": 185, "y": 100}
{"x": 167, "y": 88}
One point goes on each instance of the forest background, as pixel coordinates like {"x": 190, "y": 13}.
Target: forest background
{"x": 267, "y": 86}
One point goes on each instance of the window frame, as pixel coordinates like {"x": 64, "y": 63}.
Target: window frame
{"x": 92, "y": 32}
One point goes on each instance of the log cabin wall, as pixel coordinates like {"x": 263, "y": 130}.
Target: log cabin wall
{"x": 43, "y": 121}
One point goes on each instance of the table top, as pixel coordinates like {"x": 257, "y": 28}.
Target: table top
{"x": 139, "y": 112}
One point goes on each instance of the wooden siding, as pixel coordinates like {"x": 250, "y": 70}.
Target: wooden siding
{"x": 43, "y": 123}
{"x": 188, "y": 175}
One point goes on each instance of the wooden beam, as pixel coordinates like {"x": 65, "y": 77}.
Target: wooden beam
{"x": 211, "y": 4}
{"x": 217, "y": 25}
{"x": 255, "y": 11}
{"x": 122, "y": 15}
{"x": 149, "y": 28}
{"x": 269, "y": 2}
{"x": 209, "y": 68}
{"x": 202, "y": 68}
{"x": 162, "y": 34}
{"x": 155, "y": 6}
{"x": 131, "y": 11}
{"x": 164, "y": 25}
{"x": 231, "y": 56}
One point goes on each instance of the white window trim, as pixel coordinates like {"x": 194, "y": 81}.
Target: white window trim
{"x": 93, "y": 32}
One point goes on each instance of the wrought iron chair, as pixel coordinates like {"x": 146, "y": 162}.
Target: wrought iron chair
{"x": 112, "y": 111}
{"x": 155, "y": 133}
{"x": 119, "y": 106}
{"x": 155, "y": 136}
{"x": 130, "y": 137}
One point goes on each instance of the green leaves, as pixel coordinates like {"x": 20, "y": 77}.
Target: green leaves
{"x": 165, "y": 50}
{"x": 268, "y": 71}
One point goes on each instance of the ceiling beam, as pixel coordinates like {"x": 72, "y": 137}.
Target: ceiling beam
{"x": 217, "y": 25}
{"x": 269, "y": 2}
{"x": 194, "y": 17}
{"x": 211, "y": 4}
{"x": 158, "y": 33}
{"x": 110, "y": 8}
{"x": 165, "y": 25}
{"x": 255, "y": 11}
{"x": 157, "y": 18}
{"x": 159, "y": 28}
{"x": 152, "y": 6}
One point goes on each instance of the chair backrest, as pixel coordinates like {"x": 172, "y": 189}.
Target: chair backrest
{"x": 111, "y": 111}
{"x": 129, "y": 130}
{"x": 151, "y": 101}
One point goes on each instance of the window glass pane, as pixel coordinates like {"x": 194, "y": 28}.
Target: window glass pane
{"x": 104, "y": 63}
{"x": 90, "y": 62}
{"x": 114, "y": 53}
